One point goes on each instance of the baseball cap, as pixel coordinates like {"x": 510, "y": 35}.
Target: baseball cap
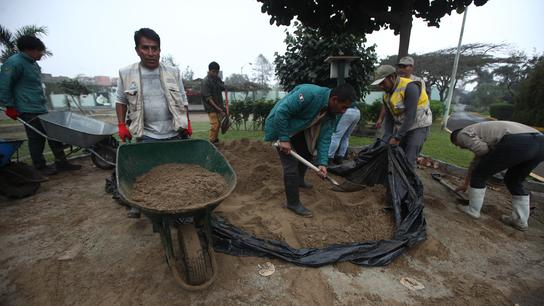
{"x": 382, "y": 72}
{"x": 407, "y": 60}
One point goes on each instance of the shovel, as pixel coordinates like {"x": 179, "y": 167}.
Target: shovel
{"x": 460, "y": 197}
{"x": 346, "y": 186}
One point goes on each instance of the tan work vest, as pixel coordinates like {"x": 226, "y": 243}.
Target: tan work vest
{"x": 131, "y": 77}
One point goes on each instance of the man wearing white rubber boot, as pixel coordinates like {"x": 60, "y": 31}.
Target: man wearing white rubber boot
{"x": 500, "y": 145}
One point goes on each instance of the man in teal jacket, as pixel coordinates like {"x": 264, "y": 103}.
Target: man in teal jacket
{"x": 21, "y": 92}
{"x": 304, "y": 121}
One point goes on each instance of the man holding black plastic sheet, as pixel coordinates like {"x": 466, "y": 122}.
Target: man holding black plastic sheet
{"x": 304, "y": 121}
{"x": 408, "y": 114}
{"x": 500, "y": 145}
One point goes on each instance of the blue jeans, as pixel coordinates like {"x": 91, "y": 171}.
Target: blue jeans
{"x": 340, "y": 138}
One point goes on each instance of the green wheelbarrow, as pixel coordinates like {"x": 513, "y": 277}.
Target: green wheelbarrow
{"x": 193, "y": 263}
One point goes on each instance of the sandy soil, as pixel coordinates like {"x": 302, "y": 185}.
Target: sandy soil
{"x": 175, "y": 186}
{"x": 72, "y": 244}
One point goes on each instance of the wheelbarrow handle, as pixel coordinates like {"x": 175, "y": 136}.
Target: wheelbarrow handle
{"x": 28, "y": 125}
{"x": 307, "y": 163}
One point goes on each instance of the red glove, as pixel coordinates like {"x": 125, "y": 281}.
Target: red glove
{"x": 124, "y": 132}
{"x": 11, "y": 112}
{"x": 189, "y": 128}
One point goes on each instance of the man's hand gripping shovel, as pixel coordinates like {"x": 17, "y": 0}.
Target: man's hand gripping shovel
{"x": 345, "y": 186}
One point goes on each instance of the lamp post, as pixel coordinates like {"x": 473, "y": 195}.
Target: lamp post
{"x": 242, "y": 68}
{"x": 340, "y": 66}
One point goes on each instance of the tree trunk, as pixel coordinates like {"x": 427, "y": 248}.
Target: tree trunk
{"x": 405, "y": 28}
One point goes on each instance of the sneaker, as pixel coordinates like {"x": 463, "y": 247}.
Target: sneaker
{"x": 64, "y": 165}
{"x": 48, "y": 170}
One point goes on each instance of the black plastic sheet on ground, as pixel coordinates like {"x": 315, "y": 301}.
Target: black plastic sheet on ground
{"x": 377, "y": 164}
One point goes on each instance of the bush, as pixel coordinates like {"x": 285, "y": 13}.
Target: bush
{"x": 501, "y": 111}
{"x": 528, "y": 107}
{"x": 437, "y": 108}
{"x": 369, "y": 112}
{"x": 241, "y": 111}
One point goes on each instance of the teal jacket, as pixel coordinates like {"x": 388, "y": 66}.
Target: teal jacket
{"x": 296, "y": 111}
{"x": 21, "y": 85}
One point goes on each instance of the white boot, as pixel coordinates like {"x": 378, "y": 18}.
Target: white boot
{"x": 476, "y": 200}
{"x": 520, "y": 213}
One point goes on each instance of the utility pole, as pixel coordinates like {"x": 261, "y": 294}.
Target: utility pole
{"x": 454, "y": 72}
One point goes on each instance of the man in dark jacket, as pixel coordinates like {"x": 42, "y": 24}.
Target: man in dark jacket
{"x": 22, "y": 94}
{"x": 212, "y": 98}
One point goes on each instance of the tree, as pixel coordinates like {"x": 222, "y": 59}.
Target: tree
{"x": 188, "y": 74}
{"x": 262, "y": 70}
{"x": 511, "y": 74}
{"x": 8, "y": 40}
{"x": 240, "y": 82}
{"x": 74, "y": 89}
{"x": 435, "y": 67}
{"x": 168, "y": 60}
{"x": 359, "y": 17}
{"x": 307, "y": 49}
{"x": 528, "y": 103}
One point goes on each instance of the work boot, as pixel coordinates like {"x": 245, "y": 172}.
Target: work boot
{"x": 134, "y": 213}
{"x": 476, "y": 200}
{"x": 47, "y": 170}
{"x": 64, "y": 165}
{"x": 293, "y": 200}
{"x": 299, "y": 209}
{"x": 520, "y": 213}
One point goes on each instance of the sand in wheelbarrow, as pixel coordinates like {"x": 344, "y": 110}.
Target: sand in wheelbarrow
{"x": 256, "y": 205}
{"x": 177, "y": 186}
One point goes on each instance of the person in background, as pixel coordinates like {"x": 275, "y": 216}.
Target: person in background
{"x": 498, "y": 146}
{"x": 151, "y": 96}
{"x": 212, "y": 98}
{"x": 405, "y": 68}
{"x": 408, "y": 114}
{"x": 22, "y": 94}
{"x": 304, "y": 121}
{"x": 340, "y": 138}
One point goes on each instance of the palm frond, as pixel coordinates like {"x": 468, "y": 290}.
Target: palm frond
{"x": 31, "y": 30}
{"x": 6, "y": 38}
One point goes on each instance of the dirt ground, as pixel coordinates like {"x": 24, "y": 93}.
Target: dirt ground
{"x": 71, "y": 244}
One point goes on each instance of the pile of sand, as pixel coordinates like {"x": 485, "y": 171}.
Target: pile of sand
{"x": 177, "y": 186}
{"x": 256, "y": 205}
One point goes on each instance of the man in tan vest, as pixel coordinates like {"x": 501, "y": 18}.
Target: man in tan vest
{"x": 151, "y": 100}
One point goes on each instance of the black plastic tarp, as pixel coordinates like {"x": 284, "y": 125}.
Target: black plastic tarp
{"x": 377, "y": 164}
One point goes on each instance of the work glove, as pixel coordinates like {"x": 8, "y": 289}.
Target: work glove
{"x": 189, "y": 129}
{"x": 124, "y": 133}
{"x": 11, "y": 112}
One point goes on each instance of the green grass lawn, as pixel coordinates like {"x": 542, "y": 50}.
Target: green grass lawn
{"x": 437, "y": 145}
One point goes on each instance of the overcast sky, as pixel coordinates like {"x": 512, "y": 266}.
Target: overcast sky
{"x": 96, "y": 37}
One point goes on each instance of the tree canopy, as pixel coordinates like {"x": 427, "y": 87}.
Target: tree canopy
{"x": 262, "y": 70}
{"x": 435, "y": 67}
{"x": 359, "y": 16}
{"x": 306, "y": 51}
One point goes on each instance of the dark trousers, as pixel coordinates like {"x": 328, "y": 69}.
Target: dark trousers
{"x": 519, "y": 153}
{"x": 293, "y": 170}
{"x": 412, "y": 142}
{"x": 36, "y": 142}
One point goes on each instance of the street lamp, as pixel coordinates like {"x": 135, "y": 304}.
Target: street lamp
{"x": 242, "y": 68}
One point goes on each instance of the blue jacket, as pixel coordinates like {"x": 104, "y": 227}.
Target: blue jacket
{"x": 296, "y": 111}
{"x": 21, "y": 85}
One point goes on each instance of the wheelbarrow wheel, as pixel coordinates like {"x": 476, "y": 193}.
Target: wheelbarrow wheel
{"x": 195, "y": 261}
{"x": 107, "y": 154}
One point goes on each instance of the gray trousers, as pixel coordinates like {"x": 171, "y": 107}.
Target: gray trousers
{"x": 412, "y": 142}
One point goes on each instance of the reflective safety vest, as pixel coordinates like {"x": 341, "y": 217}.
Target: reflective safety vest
{"x": 395, "y": 103}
